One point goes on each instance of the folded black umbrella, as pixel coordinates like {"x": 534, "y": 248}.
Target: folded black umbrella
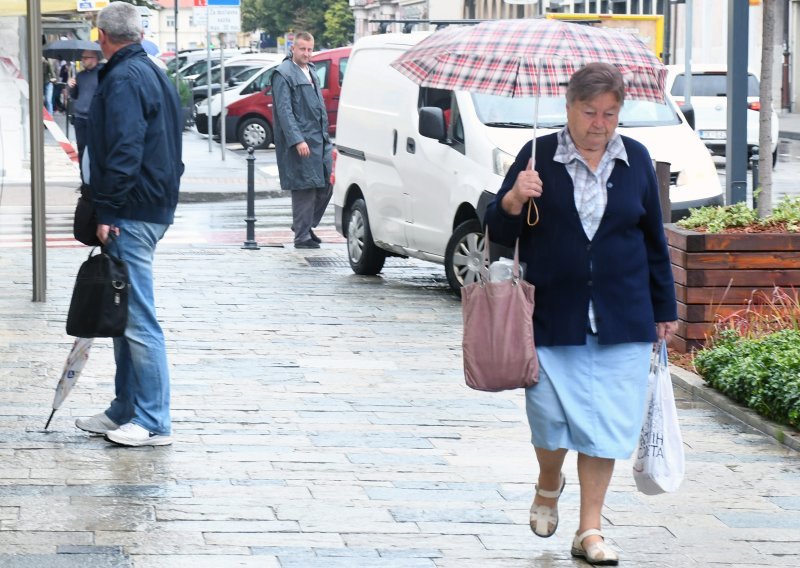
{"x": 70, "y": 49}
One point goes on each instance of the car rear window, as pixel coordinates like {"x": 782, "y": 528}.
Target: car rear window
{"x": 711, "y": 85}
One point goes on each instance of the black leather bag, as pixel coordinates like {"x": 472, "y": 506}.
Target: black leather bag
{"x": 99, "y": 306}
{"x": 84, "y": 224}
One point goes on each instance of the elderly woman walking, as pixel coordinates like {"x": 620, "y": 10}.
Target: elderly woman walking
{"x": 604, "y": 294}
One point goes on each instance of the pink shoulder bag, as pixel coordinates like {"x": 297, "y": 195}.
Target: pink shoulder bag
{"x": 499, "y": 353}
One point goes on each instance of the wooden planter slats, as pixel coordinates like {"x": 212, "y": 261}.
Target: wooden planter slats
{"x": 717, "y": 275}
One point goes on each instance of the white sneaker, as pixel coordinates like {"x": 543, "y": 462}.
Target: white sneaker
{"x": 131, "y": 434}
{"x": 97, "y": 424}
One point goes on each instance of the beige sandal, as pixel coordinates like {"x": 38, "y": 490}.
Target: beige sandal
{"x": 597, "y": 553}
{"x": 543, "y": 516}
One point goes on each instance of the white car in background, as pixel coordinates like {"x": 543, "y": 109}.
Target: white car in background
{"x": 710, "y": 103}
{"x": 255, "y": 84}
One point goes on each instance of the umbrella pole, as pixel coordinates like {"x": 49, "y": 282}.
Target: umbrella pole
{"x": 49, "y": 419}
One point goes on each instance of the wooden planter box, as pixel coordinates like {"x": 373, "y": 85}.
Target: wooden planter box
{"x": 717, "y": 273}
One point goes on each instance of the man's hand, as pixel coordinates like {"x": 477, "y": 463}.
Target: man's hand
{"x": 528, "y": 185}
{"x": 104, "y": 230}
{"x": 303, "y": 150}
{"x": 666, "y": 329}
{"x": 71, "y": 83}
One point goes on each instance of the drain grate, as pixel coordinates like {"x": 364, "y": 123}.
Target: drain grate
{"x": 328, "y": 261}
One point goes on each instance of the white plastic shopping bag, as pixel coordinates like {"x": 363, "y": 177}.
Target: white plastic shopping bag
{"x": 659, "y": 464}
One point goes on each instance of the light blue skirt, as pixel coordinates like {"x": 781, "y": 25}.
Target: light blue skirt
{"x": 590, "y": 398}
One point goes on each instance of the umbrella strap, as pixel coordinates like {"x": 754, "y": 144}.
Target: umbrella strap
{"x": 532, "y": 206}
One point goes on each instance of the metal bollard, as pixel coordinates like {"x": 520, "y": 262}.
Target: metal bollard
{"x": 754, "y": 168}
{"x": 250, "y": 243}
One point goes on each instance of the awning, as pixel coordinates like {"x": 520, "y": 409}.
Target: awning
{"x": 20, "y": 7}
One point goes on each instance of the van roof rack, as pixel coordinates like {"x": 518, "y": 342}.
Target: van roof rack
{"x": 408, "y": 25}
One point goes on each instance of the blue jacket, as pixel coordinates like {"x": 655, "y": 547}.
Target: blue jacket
{"x": 134, "y": 137}
{"x": 625, "y": 269}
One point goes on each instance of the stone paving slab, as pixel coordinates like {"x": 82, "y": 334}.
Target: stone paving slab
{"x": 321, "y": 420}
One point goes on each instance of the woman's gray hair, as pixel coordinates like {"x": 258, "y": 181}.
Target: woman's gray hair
{"x": 595, "y": 79}
{"x": 121, "y": 22}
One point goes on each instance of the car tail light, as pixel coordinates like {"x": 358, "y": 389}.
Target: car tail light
{"x": 333, "y": 167}
{"x": 678, "y": 100}
{"x": 755, "y": 105}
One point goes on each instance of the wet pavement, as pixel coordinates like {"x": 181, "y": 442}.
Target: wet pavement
{"x": 321, "y": 420}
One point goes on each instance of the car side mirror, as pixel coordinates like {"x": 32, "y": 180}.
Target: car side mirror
{"x": 431, "y": 123}
{"x": 232, "y": 82}
{"x": 688, "y": 112}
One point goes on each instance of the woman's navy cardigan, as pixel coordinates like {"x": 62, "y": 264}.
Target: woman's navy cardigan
{"x": 625, "y": 269}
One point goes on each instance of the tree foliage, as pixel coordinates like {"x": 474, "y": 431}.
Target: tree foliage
{"x": 277, "y": 17}
{"x": 339, "y": 24}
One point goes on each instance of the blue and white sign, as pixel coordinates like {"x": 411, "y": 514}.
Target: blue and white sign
{"x": 224, "y": 3}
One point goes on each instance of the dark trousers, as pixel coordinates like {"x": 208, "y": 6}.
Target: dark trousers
{"x": 308, "y": 207}
{"x": 80, "y": 136}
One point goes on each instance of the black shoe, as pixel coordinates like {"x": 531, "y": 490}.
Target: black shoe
{"x": 309, "y": 244}
{"x": 314, "y": 237}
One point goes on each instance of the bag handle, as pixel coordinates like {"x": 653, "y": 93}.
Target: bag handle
{"x": 485, "y": 269}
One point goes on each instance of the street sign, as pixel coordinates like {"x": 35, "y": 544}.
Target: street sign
{"x": 224, "y": 19}
{"x": 224, "y": 3}
{"x": 90, "y": 5}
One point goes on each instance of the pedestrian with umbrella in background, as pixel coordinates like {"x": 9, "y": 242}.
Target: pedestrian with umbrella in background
{"x": 81, "y": 89}
{"x": 585, "y": 206}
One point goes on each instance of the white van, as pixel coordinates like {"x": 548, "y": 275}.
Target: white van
{"x": 399, "y": 191}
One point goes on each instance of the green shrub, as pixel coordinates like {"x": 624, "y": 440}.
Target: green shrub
{"x": 762, "y": 373}
{"x": 785, "y": 217}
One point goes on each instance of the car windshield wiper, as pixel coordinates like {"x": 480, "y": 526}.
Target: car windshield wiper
{"x": 510, "y": 124}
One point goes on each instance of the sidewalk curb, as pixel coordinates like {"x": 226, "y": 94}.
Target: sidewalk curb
{"x": 695, "y": 385}
{"x": 789, "y": 135}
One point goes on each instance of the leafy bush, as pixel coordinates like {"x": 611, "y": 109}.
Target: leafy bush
{"x": 762, "y": 372}
{"x": 785, "y": 217}
{"x": 184, "y": 90}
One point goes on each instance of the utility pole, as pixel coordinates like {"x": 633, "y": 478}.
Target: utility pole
{"x": 38, "y": 232}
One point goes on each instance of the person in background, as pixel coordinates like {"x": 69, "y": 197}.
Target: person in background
{"x": 302, "y": 146}
{"x": 58, "y": 86}
{"x": 81, "y": 90}
{"x": 133, "y": 147}
{"x": 48, "y": 80}
{"x": 604, "y": 293}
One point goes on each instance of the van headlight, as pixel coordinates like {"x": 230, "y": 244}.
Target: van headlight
{"x": 696, "y": 173}
{"x": 502, "y": 162}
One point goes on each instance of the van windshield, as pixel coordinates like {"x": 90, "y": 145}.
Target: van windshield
{"x": 508, "y": 112}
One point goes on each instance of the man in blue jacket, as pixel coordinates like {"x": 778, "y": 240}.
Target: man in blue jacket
{"x": 134, "y": 154}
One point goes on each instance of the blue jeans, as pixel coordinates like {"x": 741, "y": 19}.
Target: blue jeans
{"x": 142, "y": 380}
{"x": 47, "y": 96}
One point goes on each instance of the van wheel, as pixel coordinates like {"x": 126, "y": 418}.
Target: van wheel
{"x": 365, "y": 257}
{"x": 463, "y": 257}
{"x": 255, "y": 132}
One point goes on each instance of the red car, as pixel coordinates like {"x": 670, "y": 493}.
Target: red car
{"x": 250, "y": 120}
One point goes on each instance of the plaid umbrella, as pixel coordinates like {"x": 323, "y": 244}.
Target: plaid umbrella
{"x": 519, "y": 58}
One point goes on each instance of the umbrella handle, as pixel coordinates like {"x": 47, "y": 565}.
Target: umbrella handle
{"x": 532, "y": 206}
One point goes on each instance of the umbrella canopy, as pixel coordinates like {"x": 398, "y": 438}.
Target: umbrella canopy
{"x": 76, "y": 360}
{"x": 519, "y": 58}
{"x": 70, "y": 49}
{"x": 150, "y": 47}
